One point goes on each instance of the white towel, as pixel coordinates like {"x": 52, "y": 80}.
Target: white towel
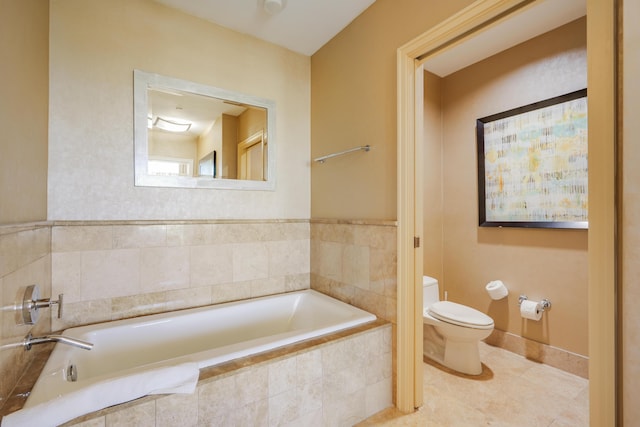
{"x": 181, "y": 378}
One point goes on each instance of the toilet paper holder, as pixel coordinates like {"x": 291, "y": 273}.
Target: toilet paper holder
{"x": 545, "y": 304}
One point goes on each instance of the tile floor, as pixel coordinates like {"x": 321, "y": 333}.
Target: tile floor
{"x": 512, "y": 391}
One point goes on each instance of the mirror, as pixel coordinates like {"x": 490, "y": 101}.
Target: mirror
{"x": 196, "y": 136}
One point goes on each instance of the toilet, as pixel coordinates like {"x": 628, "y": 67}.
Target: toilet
{"x": 452, "y": 332}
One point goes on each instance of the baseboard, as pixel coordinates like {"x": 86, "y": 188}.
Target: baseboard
{"x": 558, "y": 358}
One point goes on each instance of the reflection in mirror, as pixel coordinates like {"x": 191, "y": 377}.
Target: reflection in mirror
{"x": 196, "y": 136}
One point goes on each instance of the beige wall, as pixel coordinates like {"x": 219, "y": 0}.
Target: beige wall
{"x": 165, "y": 144}
{"x": 353, "y": 103}
{"x": 540, "y": 263}
{"x": 630, "y": 224}
{"x": 96, "y": 45}
{"x": 24, "y": 94}
{"x": 433, "y": 197}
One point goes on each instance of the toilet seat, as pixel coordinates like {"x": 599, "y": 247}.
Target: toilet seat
{"x": 460, "y": 315}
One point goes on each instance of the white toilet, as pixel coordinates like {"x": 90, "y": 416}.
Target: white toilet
{"x": 452, "y": 331}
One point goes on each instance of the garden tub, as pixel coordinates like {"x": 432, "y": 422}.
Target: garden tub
{"x": 163, "y": 353}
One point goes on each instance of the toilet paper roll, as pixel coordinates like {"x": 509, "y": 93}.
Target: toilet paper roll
{"x": 530, "y": 310}
{"x": 496, "y": 289}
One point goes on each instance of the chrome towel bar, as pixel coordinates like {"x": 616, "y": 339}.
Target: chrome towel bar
{"x": 342, "y": 153}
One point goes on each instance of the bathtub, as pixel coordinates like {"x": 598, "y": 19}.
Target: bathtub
{"x": 163, "y": 353}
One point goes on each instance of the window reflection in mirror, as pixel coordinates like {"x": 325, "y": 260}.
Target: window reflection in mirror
{"x": 192, "y": 135}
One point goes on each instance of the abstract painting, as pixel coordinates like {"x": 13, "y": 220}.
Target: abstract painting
{"x": 532, "y": 165}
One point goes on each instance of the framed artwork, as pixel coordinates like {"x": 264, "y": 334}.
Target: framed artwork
{"x": 207, "y": 165}
{"x": 532, "y": 165}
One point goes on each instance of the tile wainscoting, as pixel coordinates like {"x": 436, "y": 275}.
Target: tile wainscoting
{"x": 355, "y": 261}
{"x": 114, "y": 270}
{"x": 25, "y": 259}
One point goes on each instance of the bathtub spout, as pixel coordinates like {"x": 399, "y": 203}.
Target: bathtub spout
{"x": 30, "y": 340}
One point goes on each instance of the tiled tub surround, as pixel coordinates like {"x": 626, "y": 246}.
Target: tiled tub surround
{"x": 355, "y": 261}
{"x": 334, "y": 380}
{"x": 24, "y": 260}
{"x": 114, "y": 270}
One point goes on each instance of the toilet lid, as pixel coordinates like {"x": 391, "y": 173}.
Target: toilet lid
{"x": 459, "y": 314}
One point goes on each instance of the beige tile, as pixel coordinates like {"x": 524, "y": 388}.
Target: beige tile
{"x": 307, "y": 419}
{"x": 252, "y": 385}
{"x": 309, "y": 397}
{"x": 177, "y": 410}
{"x": 135, "y": 416}
{"x": 289, "y": 257}
{"x": 270, "y": 286}
{"x": 309, "y": 367}
{"x": 378, "y": 395}
{"x": 211, "y": 264}
{"x": 282, "y": 376}
{"x": 283, "y": 408}
{"x": 297, "y": 282}
{"x": 339, "y": 233}
{"x": 255, "y": 414}
{"x": 328, "y": 259}
{"x": 33, "y": 244}
{"x": 13, "y": 288}
{"x": 190, "y": 297}
{"x": 138, "y": 305}
{"x": 108, "y": 274}
{"x": 233, "y": 233}
{"x": 216, "y": 398}
{"x": 81, "y": 238}
{"x": 335, "y": 358}
{"x": 164, "y": 268}
{"x": 344, "y": 382}
{"x": 66, "y": 275}
{"x": 189, "y": 234}
{"x": 502, "y": 396}
{"x": 83, "y": 313}
{"x": 250, "y": 261}
{"x": 139, "y": 236}
{"x": 356, "y": 266}
{"x": 379, "y": 368}
{"x": 377, "y": 237}
{"x": 230, "y": 292}
{"x": 94, "y": 422}
{"x": 9, "y": 256}
{"x": 560, "y": 382}
{"x": 345, "y": 410}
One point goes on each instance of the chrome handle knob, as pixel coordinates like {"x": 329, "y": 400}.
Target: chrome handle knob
{"x": 31, "y": 303}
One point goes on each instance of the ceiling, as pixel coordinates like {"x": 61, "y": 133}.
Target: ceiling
{"x": 302, "y": 26}
{"x": 517, "y": 28}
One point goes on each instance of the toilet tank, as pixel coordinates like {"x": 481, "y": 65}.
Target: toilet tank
{"x": 430, "y": 291}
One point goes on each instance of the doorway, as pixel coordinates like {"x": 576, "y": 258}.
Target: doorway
{"x": 601, "y": 240}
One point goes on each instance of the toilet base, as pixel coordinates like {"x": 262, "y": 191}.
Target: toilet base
{"x": 460, "y": 356}
{"x": 463, "y": 357}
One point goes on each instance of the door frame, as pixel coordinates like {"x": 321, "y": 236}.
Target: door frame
{"x": 602, "y": 252}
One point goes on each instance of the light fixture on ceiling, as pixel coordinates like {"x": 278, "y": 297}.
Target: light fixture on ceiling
{"x": 273, "y": 6}
{"x": 171, "y": 125}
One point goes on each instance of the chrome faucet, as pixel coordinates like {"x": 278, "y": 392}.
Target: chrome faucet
{"x": 29, "y": 340}
{"x": 31, "y": 303}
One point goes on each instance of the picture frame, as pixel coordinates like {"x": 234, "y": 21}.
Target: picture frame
{"x": 207, "y": 165}
{"x": 532, "y": 165}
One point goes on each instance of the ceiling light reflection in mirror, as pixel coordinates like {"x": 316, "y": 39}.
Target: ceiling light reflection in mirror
{"x": 197, "y": 136}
